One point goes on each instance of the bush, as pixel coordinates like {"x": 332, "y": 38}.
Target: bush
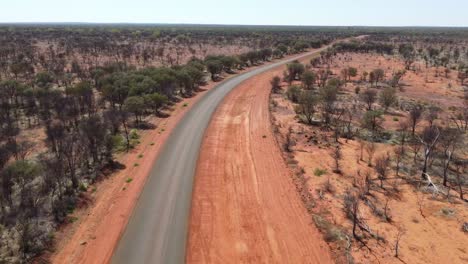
{"x": 293, "y": 93}
{"x": 319, "y": 172}
{"x": 119, "y": 143}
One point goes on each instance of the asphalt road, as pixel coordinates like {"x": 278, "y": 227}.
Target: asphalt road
{"x": 158, "y": 228}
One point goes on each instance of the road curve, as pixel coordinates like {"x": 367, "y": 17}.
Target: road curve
{"x": 157, "y": 230}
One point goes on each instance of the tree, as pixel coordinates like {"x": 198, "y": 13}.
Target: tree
{"x": 448, "y": 141}
{"x": 428, "y": 139}
{"x": 295, "y": 70}
{"x": 155, "y": 101}
{"x": 215, "y": 67}
{"x": 293, "y": 93}
{"x": 462, "y": 74}
{"x": 396, "y": 78}
{"x": 348, "y": 73}
{"x": 370, "y": 150}
{"x": 337, "y": 155}
{"x": 432, "y": 114}
{"x": 22, "y": 173}
{"x": 307, "y": 105}
{"x": 368, "y": 97}
{"x": 275, "y": 84}
{"x": 352, "y": 72}
{"x": 408, "y": 53}
{"x": 387, "y": 97}
{"x": 328, "y": 96}
{"x": 376, "y": 76}
{"x": 415, "y": 115}
{"x": 308, "y": 79}
{"x": 372, "y": 120}
{"x": 381, "y": 167}
{"x": 135, "y": 105}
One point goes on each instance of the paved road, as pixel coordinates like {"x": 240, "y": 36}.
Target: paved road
{"x": 157, "y": 230}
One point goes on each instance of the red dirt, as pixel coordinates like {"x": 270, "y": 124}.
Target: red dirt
{"x": 94, "y": 236}
{"x": 245, "y": 207}
{"x": 435, "y": 237}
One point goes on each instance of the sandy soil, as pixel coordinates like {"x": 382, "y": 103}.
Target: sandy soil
{"x": 245, "y": 208}
{"x": 420, "y": 85}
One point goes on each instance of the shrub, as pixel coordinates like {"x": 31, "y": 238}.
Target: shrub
{"x": 319, "y": 172}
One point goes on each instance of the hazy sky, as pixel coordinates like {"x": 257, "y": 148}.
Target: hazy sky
{"x": 263, "y": 12}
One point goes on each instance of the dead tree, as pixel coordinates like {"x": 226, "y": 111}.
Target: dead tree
{"x": 400, "y": 234}
{"x": 428, "y": 139}
{"x": 449, "y": 139}
{"x": 337, "y": 155}
{"x": 461, "y": 178}
{"x": 370, "y": 149}
{"x": 381, "y": 167}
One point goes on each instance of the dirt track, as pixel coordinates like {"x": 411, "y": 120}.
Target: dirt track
{"x": 93, "y": 238}
{"x": 245, "y": 208}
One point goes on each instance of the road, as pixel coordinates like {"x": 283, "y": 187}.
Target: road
{"x": 157, "y": 230}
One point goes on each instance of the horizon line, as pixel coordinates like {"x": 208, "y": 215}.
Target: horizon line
{"x": 228, "y": 24}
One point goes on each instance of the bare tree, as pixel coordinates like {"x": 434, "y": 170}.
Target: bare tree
{"x": 370, "y": 149}
{"x": 415, "y": 115}
{"x": 381, "y": 167}
{"x": 337, "y": 155}
{"x": 448, "y": 140}
{"x": 368, "y": 97}
{"x": 400, "y": 234}
{"x": 428, "y": 139}
{"x": 461, "y": 177}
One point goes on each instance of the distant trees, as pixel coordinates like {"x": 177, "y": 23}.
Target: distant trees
{"x": 408, "y": 53}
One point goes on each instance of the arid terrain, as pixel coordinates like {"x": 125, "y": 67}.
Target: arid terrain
{"x": 377, "y": 183}
{"x": 304, "y": 144}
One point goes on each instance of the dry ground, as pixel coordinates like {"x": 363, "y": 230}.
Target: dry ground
{"x": 245, "y": 208}
{"x": 431, "y": 226}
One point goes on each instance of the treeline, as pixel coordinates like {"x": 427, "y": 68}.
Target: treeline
{"x": 364, "y": 47}
{"x": 29, "y": 49}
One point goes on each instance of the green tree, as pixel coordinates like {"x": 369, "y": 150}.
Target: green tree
{"x": 155, "y": 101}
{"x": 275, "y": 84}
{"x": 214, "y": 67}
{"x": 293, "y": 93}
{"x": 295, "y": 70}
{"x": 307, "y": 105}
{"x": 308, "y": 79}
{"x": 387, "y": 97}
{"x": 408, "y": 53}
{"x": 135, "y": 105}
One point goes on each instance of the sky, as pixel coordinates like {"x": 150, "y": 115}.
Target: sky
{"x": 242, "y": 12}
